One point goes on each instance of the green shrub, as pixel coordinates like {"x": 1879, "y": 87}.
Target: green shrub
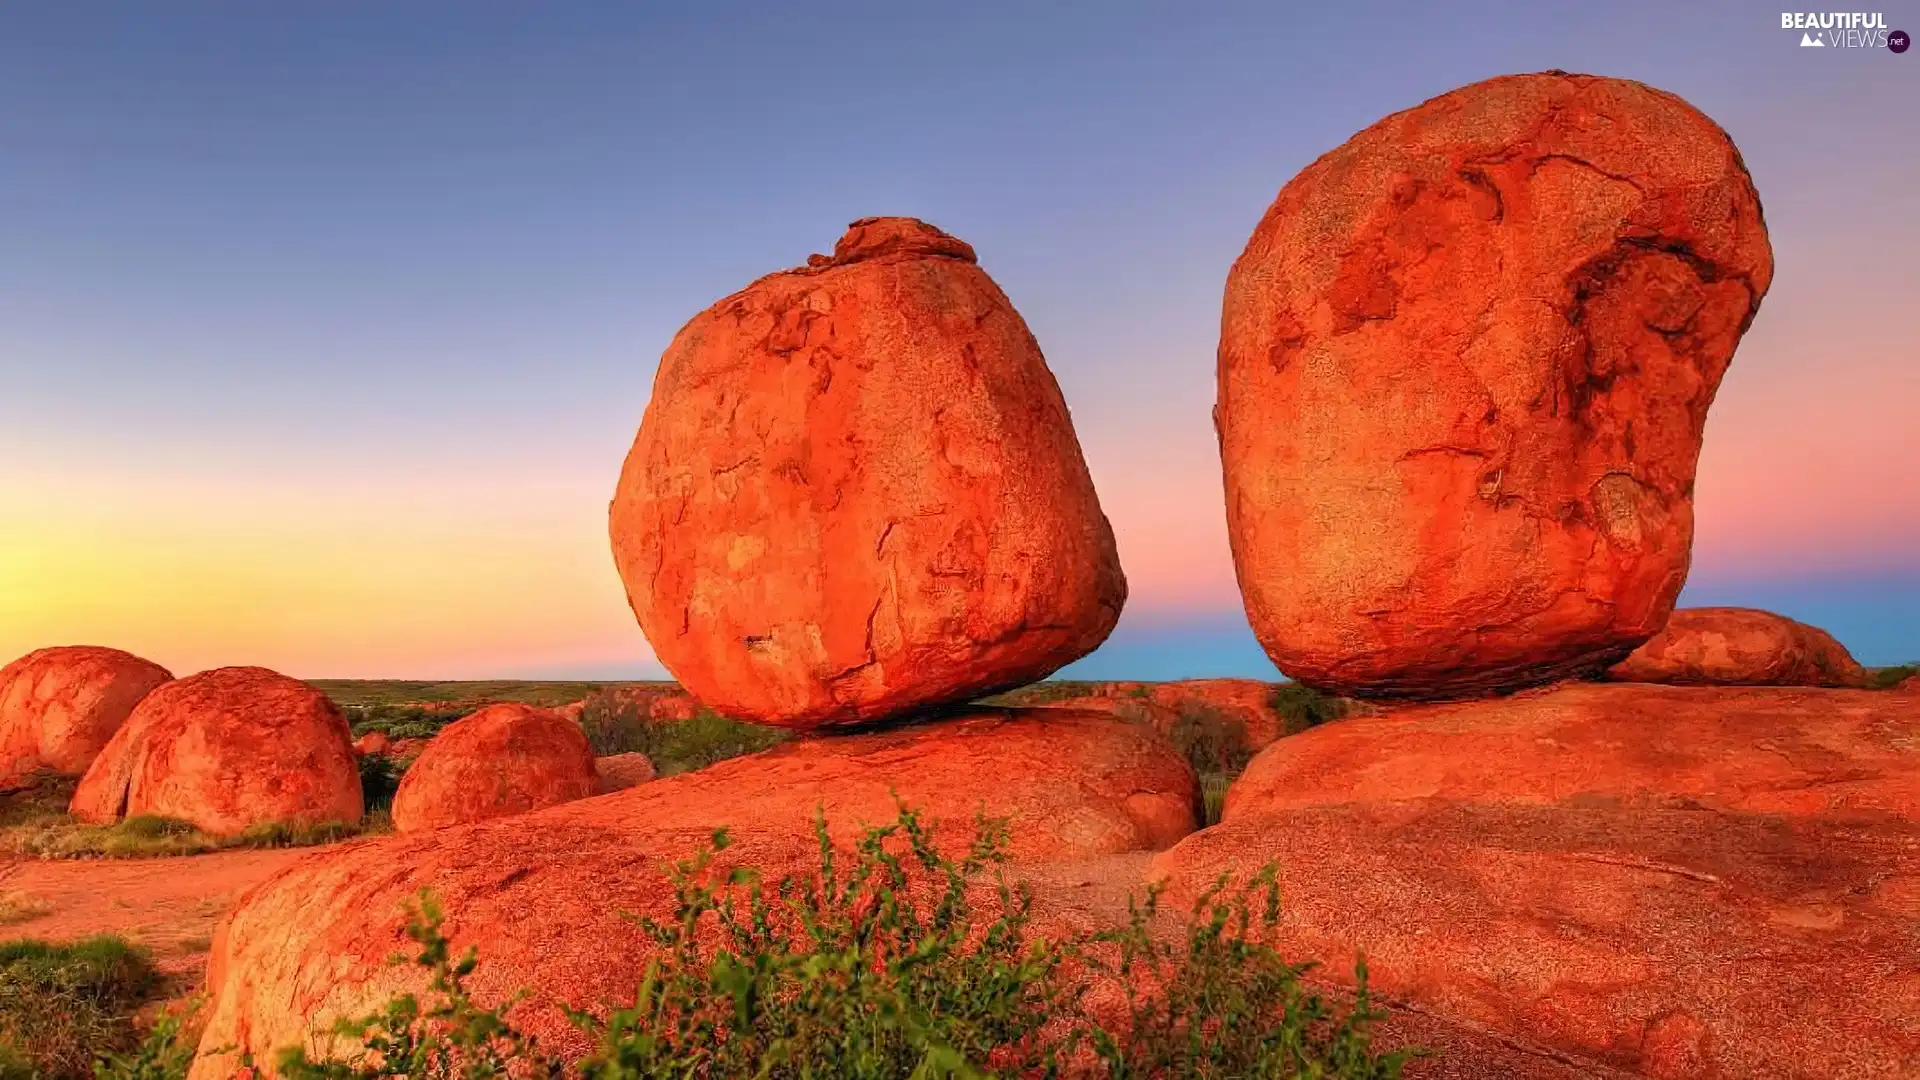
{"x": 617, "y": 725}
{"x": 883, "y": 969}
{"x": 1301, "y": 707}
{"x": 164, "y": 1053}
{"x": 1887, "y": 678}
{"x": 402, "y": 721}
{"x": 63, "y": 1005}
{"x": 379, "y": 781}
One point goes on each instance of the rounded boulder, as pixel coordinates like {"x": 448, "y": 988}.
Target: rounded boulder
{"x": 225, "y": 750}
{"x": 60, "y": 706}
{"x": 1465, "y": 362}
{"x": 856, "y": 492}
{"x": 504, "y": 759}
{"x": 1724, "y": 646}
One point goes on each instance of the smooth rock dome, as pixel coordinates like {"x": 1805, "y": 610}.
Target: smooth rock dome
{"x": 60, "y": 706}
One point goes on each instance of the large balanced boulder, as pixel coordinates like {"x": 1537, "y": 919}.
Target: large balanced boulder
{"x": 542, "y": 895}
{"x": 225, "y": 750}
{"x": 60, "y": 706}
{"x": 1730, "y": 646}
{"x": 1679, "y": 882}
{"x": 856, "y": 492}
{"x": 1464, "y": 365}
{"x": 505, "y": 759}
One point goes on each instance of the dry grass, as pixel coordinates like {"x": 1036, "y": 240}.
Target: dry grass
{"x": 18, "y": 907}
{"x": 149, "y": 837}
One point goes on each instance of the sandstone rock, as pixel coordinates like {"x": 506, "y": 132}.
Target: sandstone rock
{"x": 618, "y": 772}
{"x": 373, "y": 743}
{"x": 1752, "y": 750}
{"x": 1465, "y": 361}
{"x": 1909, "y": 685}
{"x": 1677, "y": 881}
{"x": 59, "y": 706}
{"x": 227, "y": 749}
{"x": 505, "y": 759}
{"x": 541, "y": 894}
{"x": 1740, "y": 647}
{"x": 407, "y": 751}
{"x": 856, "y": 492}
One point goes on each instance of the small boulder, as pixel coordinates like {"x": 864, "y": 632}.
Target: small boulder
{"x": 373, "y": 743}
{"x": 1465, "y": 363}
{"x": 505, "y": 759}
{"x": 543, "y": 895}
{"x": 1728, "y": 646}
{"x": 856, "y": 493}
{"x": 60, "y": 706}
{"x": 225, "y": 750}
{"x": 619, "y": 772}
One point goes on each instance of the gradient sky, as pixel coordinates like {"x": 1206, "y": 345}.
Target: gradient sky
{"x": 324, "y": 327}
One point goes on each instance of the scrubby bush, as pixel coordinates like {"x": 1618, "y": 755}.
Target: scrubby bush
{"x": 884, "y": 969}
{"x": 146, "y": 836}
{"x": 1301, "y": 707}
{"x": 379, "y": 781}
{"x": 618, "y": 724}
{"x": 1887, "y": 678}
{"x": 61, "y": 1006}
{"x": 403, "y": 721}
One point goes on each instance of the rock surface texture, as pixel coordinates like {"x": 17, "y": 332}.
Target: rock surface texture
{"x": 618, "y": 772}
{"x": 541, "y": 894}
{"x": 1464, "y": 365}
{"x": 856, "y": 492}
{"x": 1680, "y": 882}
{"x": 227, "y": 749}
{"x": 60, "y": 706}
{"x": 505, "y": 759}
{"x": 1740, "y": 647}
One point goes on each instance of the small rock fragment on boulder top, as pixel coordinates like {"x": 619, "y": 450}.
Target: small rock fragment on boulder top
{"x": 856, "y": 493}
{"x": 1465, "y": 363}
{"x": 545, "y": 896}
{"x": 60, "y": 706}
{"x": 225, "y": 750}
{"x": 1727, "y": 646}
{"x": 618, "y": 772}
{"x": 505, "y": 759}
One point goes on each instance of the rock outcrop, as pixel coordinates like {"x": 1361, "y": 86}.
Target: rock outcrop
{"x": 225, "y": 750}
{"x": 1465, "y": 361}
{"x": 856, "y": 493}
{"x": 505, "y": 759}
{"x": 60, "y": 706}
{"x": 1676, "y": 881}
{"x": 1726, "y": 646}
{"x": 618, "y": 772}
{"x": 542, "y": 894}
{"x": 373, "y": 743}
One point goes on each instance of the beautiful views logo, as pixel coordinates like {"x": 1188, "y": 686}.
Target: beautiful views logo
{"x": 1845, "y": 30}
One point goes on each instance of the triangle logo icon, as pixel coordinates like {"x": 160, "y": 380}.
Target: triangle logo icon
{"x": 1809, "y": 41}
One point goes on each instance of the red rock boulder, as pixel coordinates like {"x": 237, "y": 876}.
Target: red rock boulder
{"x": 1724, "y": 646}
{"x": 505, "y": 759}
{"x": 373, "y": 743}
{"x": 60, "y": 706}
{"x": 1674, "y": 881}
{"x": 542, "y": 894}
{"x": 856, "y": 493}
{"x": 225, "y": 750}
{"x": 1465, "y": 361}
{"x": 618, "y": 772}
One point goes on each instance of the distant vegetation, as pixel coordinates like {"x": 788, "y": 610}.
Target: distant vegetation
{"x": 348, "y": 693}
{"x": 617, "y": 724}
{"x": 147, "y": 836}
{"x": 1886, "y": 678}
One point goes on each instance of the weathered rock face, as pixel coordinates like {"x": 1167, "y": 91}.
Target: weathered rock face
{"x": 224, "y": 750}
{"x": 505, "y": 759}
{"x": 541, "y": 894}
{"x": 1679, "y": 881}
{"x": 856, "y": 492}
{"x": 59, "y": 706}
{"x": 1465, "y": 361}
{"x": 618, "y": 772}
{"x": 1740, "y": 647}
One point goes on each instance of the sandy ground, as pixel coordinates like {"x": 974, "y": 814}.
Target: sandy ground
{"x": 169, "y": 905}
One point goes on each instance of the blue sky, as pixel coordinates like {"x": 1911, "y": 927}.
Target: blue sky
{"x": 324, "y": 327}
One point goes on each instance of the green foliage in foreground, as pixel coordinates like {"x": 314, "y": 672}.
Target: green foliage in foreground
{"x": 63, "y": 1005}
{"x": 618, "y": 725}
{"x": 882, "y": 970}
{"x": 146, "y": 836}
